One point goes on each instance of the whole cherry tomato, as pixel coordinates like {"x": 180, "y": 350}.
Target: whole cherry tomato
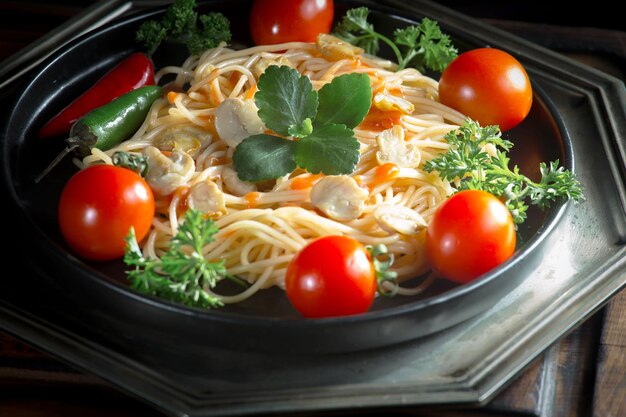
{"x": 471, "y": 233}
{"x": 99, "y": 205}
{"x": 331, "y": 276}
{"x": 279, "y": 21}
{"x": 489, "y": 86}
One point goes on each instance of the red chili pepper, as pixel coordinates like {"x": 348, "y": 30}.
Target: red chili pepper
{"x": 133, "y": 72}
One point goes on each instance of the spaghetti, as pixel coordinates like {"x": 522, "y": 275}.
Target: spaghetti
{"x": 262, "y": 226}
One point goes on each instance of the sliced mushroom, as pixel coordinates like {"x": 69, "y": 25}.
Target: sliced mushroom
{"x": 393, "y": 148}
{"x": 236, "y": 119}
{"x": 206, "y": 197}
{"x": 184, "y": 138}
{"x": 166, "y": 174}
{"x": 339, "y": 197}
{"x": 388, "y": 102}
{"x": 263, "y": 63}
{"x": 234, "y": 184}
{"x": 399, "y": 219}
{"x": 334, "y": 49}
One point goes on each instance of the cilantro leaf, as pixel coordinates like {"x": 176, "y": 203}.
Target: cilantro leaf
{"x": 331, "y": 149}
{"x": 355, "y": 29}
{"x": 286, "y": 100}
{"x": 424, "y": 45}
{"x": 345, "y": 100}
{"x": 474, "y": 168}
{"x": 264, "y": 157}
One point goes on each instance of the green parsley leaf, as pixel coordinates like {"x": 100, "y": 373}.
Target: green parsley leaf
{"x": 286, "y": 100}
{"x": 182, "y": 274}
{"x": 467, "y": 163}
{"x": 331, "y": 149}
{"x": 355, "y": 29}
{"x": 264, "y": 157}
{"x": 345, "y": 100}
{"x": 425, "y": 46}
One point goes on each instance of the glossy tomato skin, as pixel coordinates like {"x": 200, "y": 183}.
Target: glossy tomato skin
{"x": 331, "y": 276}
{"x": 279, "y": 21}
{"x": 99, "y": 205}
{"x": 471, "y": 233}
{"x": 489, "y": 86}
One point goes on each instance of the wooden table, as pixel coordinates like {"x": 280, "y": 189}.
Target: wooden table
{"x": 583, "y": 374}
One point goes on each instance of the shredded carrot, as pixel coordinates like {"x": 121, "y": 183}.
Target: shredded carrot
{"x": 384, "y": 173}
{"x": 171, "y": 96}
{"x": 167, "y": 153}
{"x": 301, "y": 183}
{"x": 252, "y": 199}
{"x": 251, "y": 92}
{"x": 215, "y": 98}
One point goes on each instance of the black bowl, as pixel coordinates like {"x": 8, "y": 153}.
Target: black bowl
{"x": 265, "y": 322}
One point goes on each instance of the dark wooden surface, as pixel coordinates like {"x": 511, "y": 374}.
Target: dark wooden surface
{"x": 583, "y": 374}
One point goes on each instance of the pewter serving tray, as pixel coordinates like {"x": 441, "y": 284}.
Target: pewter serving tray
{"x": 458, "y": 345}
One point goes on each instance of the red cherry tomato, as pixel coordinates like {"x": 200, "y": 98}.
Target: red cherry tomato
{"x": 279, "y": 21}
{"x": 489, "y": 86}
{"x": 331, "y": 276}
{"x": 99, "y": 205}
{"x": 471, "y": 233}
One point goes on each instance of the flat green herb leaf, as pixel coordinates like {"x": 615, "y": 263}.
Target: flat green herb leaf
{"x": 302, "y": 130}
{"x": 355, "y": 29}
{"x": 263, "y": 157}
{"x": 331, "y": 149}
{"x": 422, "y": 46}
{"x": 346, "y": 100}
{"x": 286, "y": 100}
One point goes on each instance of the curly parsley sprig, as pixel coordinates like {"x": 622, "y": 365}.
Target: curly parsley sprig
{"x": 180, "y": 23}
{"x": 468, "y": 163}
{"x": 182, "y": 274}
{"x": 421, "y": 46}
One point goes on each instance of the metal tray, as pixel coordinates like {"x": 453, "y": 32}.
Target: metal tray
{"x": 564, "y": 273}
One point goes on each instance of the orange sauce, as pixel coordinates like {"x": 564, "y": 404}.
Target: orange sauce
{"x": 378, "y": 120}
{"x": 252, "y": 199}
{"x": 182, "y": 206}
{"x": 234, "y": 77}
{"x": 220, "y": 161}
{"x": 384, "y": 173}
{"x": 302, "y": 183}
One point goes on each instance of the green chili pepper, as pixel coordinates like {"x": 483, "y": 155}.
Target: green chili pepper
{"x": 108, "y": 125}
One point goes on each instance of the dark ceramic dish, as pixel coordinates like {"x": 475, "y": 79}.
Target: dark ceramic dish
{"x": 454, "y": 344}
{"x": 266, "y": 321}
